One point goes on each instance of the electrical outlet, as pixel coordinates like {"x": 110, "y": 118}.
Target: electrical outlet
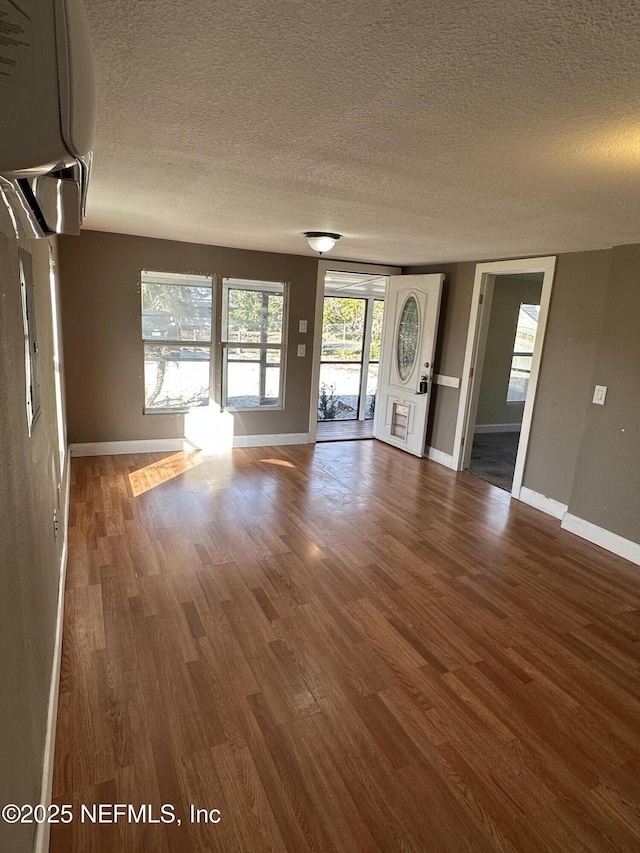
{"x": 55, "y": 525}
{"x": 600, "y": 395}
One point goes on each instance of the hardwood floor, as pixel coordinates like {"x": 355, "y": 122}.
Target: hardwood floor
{"x": 344, "y": 430}
{"x": 341, "y": 648}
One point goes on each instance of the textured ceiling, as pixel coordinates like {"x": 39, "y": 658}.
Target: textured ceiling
{"x": 421, "y": 131}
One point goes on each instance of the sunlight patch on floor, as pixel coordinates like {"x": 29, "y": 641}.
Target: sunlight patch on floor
{"x": 281, "y": 462}
{"x": 147, "y": 478}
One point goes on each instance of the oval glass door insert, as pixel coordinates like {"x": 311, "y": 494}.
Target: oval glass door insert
{"x": 408, "y": 338}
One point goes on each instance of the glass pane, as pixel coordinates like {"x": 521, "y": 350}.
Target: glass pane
{"x": 523, "y": 345}
{"x": 254, "y": 316}
{"x": 519, "y": 378}
{"x": 343, "y": 328}
{"x": 372, "y": 389}
{"x": 253, "y": 377}
{"x": 176, "y": 377}
{"x": 339, "y": 391}
{"x": 176, "y": 312}
{"x": 408, "y": 336}
{"x": 376, "y": 329}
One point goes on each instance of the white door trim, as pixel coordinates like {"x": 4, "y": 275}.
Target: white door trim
{"x": 478, "y": 321}
{"x": 323, "y": 267}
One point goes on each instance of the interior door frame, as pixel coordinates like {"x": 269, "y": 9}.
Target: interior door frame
{"x": 324, "y": 265}
{"x": 474, "y": 355}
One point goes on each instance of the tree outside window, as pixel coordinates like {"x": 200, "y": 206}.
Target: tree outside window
{"x": 253, "y": 323}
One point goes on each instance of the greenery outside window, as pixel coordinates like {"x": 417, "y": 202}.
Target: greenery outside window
{"x": 176, "y": 334}
{"x": 253, "y": 328}
{"x": 350, "y": 356}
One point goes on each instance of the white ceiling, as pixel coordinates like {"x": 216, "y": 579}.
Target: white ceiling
{"x": 421, "y": 130}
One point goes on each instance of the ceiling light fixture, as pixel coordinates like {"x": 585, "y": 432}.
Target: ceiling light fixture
{"x": 321, "y": 241}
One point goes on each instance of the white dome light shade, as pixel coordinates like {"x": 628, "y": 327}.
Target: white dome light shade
{"x": 321, "y": 241}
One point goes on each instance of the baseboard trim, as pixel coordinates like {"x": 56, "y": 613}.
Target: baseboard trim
{"x": 163, "y": 445}
{"x": 542, "y": 502}
{"x": 440, "y": 457}
{"x": 41, "y": 843}
{"x": 271, "y": 440}
{"x": 599, "y": 536}
{"x": 480, "y": 428}
{"x": 116, "y": 448}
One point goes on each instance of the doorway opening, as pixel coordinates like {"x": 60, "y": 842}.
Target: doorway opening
{"x": 352, "y": 312}
{"x": 504, "y": 349}
{"x": 504, "y": 379}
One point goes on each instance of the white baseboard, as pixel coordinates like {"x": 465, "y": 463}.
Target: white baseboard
{"x": 41, "y": 844}
{"x": 162, "y": 445}
{"x": 479, "y": 428}
{"x": 271, "y": 440}
{"x": 440, "y": 457}
{"x": 605, "y": 538}
{"x": 539, "y": 501}
{"x": 115, "y": 448}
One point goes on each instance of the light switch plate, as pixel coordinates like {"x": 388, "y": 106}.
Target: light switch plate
{"x": 600, "y": 394}
{"x": 302, "y": 326}
{"x": 302, "y": 350}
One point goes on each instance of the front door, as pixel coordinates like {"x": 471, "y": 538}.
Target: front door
{"x": 412, "y": 308}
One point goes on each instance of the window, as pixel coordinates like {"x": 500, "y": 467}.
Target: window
{"x": 377, "y": 312}
{"x": 348, "y": 366}
{"x": 523, "y": 353}
{"x": 253, "y": 323}
{"x": 343, "y": 328}
{"x": 30, "y": 338}
{"x": 408, "y": 338}
{"x": 176, "y": 334}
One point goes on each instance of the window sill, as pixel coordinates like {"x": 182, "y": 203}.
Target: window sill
{"x": 234, "y": 409}
{"x": 171, "y": 411}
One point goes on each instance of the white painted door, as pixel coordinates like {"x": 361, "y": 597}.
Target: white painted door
{"x": 412, "y": 308}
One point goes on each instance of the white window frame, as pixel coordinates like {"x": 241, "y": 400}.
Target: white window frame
{"x": 258, "y": 286}
{"x": 205, "y": 345}
{"x": 366, "y": 360}
{"x": 519, "y": 354}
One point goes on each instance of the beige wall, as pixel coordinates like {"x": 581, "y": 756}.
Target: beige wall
{"x": 101, "y": 318}
{"x": 585, "y": 469}
{"x": 606, "y": 488}
{"x": 564, "y": 385}
{"x": 29, "y": 556}
{"x": 508, "y": 294}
